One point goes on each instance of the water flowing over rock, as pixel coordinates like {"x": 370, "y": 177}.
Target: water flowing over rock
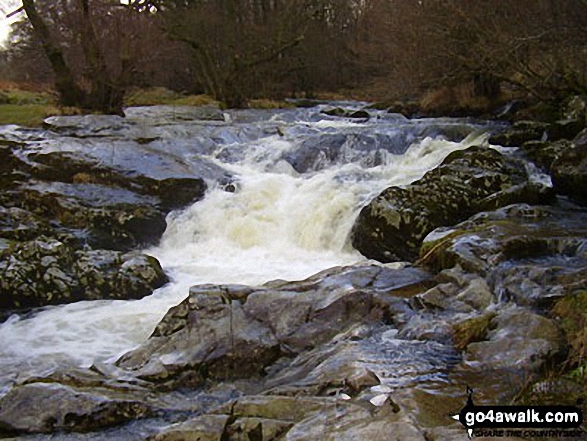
{"x": 358, "y": 350}
{"x": 225, "y": 332}
{"x": 393, "y": 225}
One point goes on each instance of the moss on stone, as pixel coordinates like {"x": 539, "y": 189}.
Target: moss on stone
{"x": 472, "y": 330}
{"x": 572, "y": 312}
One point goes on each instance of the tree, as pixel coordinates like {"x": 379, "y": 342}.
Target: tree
{"x": 100, "y": 91}
{"x": 536, "y": 46}
{"x": 231, "y": 41}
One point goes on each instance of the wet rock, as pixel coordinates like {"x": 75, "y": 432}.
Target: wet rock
{"x": 370, "y": 150}
{"x": 576, "y": 108}
{"x": 203, "y": 428}
{"x": 232, "y": 331}
{"x": 19, "y": 224}
{"x": 569, "y": 173}
{"x": 162, "y": 114}
{"x": 565, "y": 129}
{"x": 109, "y": 218}
{"x": 394, "y": 224}
{"x": 571, "y": 312}
{"x": 525, "y": 131}
{"x": 519, "y": 133}
{"x": 503, "y": 238}
{"x": 521, "y": 339}
{"x": 173, "y": 190}
{"x": 298, "y": 418}
{"x": 13, "y": 171}
{"x": 46, "y": 408}
{"x": 346, "y": 113}
{"x": 85, "y": 125}
{"x": 544, "y": 153}
{"x": 405, "y": 108}
{"x": 214, "y": 339}
{"x": 47, "y": 271}
{"x": 472, "y": 330}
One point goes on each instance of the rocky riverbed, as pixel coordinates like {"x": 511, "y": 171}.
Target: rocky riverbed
{"x": 477, "y": 277}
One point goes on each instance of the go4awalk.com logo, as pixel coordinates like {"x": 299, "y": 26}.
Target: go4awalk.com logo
{"x": 522, "y": 421}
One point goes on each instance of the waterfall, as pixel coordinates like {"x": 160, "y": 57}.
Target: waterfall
{"x": 299, "y": 183}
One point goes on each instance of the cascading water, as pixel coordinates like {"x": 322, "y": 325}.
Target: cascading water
{"x": 300, "y": 180}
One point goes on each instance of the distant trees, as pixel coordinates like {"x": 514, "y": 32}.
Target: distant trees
{"x": 236, "y": 50}
{"x": 247, "y": 48}
{"x": 538, "y": 46}
{"x": 231, "y": 41}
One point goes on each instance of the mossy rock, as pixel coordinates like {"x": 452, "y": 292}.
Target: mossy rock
{"x": 46, "y": 271}
{"x": 394, "y": 225}
{"x": 472, "y": 330}
{"x": 572, "y": 314}
{"x": 569, "y": 173}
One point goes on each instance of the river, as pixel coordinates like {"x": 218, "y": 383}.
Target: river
{"x": 299, "y": 181}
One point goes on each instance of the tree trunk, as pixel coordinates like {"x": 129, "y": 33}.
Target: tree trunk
{"x": 70, "y": 94}
{"x": 105, "y": 95}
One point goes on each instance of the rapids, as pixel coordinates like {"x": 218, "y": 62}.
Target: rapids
{"x": 299, "y": 181}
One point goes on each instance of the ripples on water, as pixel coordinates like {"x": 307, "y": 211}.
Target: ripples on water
{"x": 300, "y": 180}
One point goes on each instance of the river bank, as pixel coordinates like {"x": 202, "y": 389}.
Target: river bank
{"x": 485, "y": 261}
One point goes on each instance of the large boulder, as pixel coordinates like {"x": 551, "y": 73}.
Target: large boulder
{"x": 233, "y": 331}
{"x": 173, "y": 189}
{"x": 544, "y": 153}
{"x": 531, "y": 256}
{"x": 393, "y": 225}
{"x": 46, "y": 271}
{"x": 102, "y": 216}
{"x": 524, "y": 131}
{"x": 518, "y": 339}
{"x": 46, "y": 408}
{"x": 13, "y": 171}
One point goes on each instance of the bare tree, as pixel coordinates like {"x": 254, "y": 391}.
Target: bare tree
{"x": 100, "y": 92}
{"x": 231, "y": 41}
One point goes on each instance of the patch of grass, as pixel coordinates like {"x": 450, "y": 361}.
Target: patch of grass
{"x": 29, "y": 115}
{"x": 195, "y": 100}
{"x": 270, "y": 104}
{"x": 162, "y": 96}
{"x": 24, "y": 97}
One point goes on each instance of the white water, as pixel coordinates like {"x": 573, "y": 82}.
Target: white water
{"x": 277, "y": 225}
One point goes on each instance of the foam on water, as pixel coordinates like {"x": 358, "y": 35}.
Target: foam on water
{"x": 278, "y": 224}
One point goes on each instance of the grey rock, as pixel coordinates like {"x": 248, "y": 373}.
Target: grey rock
{"x": 393, "y": 225}
{"x": 46, "y": 408}
{"x": 521, "y": 340}
{"x": 47, "y": 271}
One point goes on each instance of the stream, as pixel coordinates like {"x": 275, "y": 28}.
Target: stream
{"x": 298, "y": 181}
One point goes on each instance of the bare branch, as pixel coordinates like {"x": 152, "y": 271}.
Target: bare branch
{"x": 13, "y": 13}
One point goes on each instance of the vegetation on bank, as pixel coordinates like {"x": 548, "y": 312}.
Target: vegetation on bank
{"x": 29, "y": 106}
{"x": 464, "y": 56}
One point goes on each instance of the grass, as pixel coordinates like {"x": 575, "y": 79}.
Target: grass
{"x": 26, "y": 107}
{"x": 27, "y": 115}
{"x": 162, "y": 96}
{"x": 29, "y": 106}
{"x": 269, "y": 104}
